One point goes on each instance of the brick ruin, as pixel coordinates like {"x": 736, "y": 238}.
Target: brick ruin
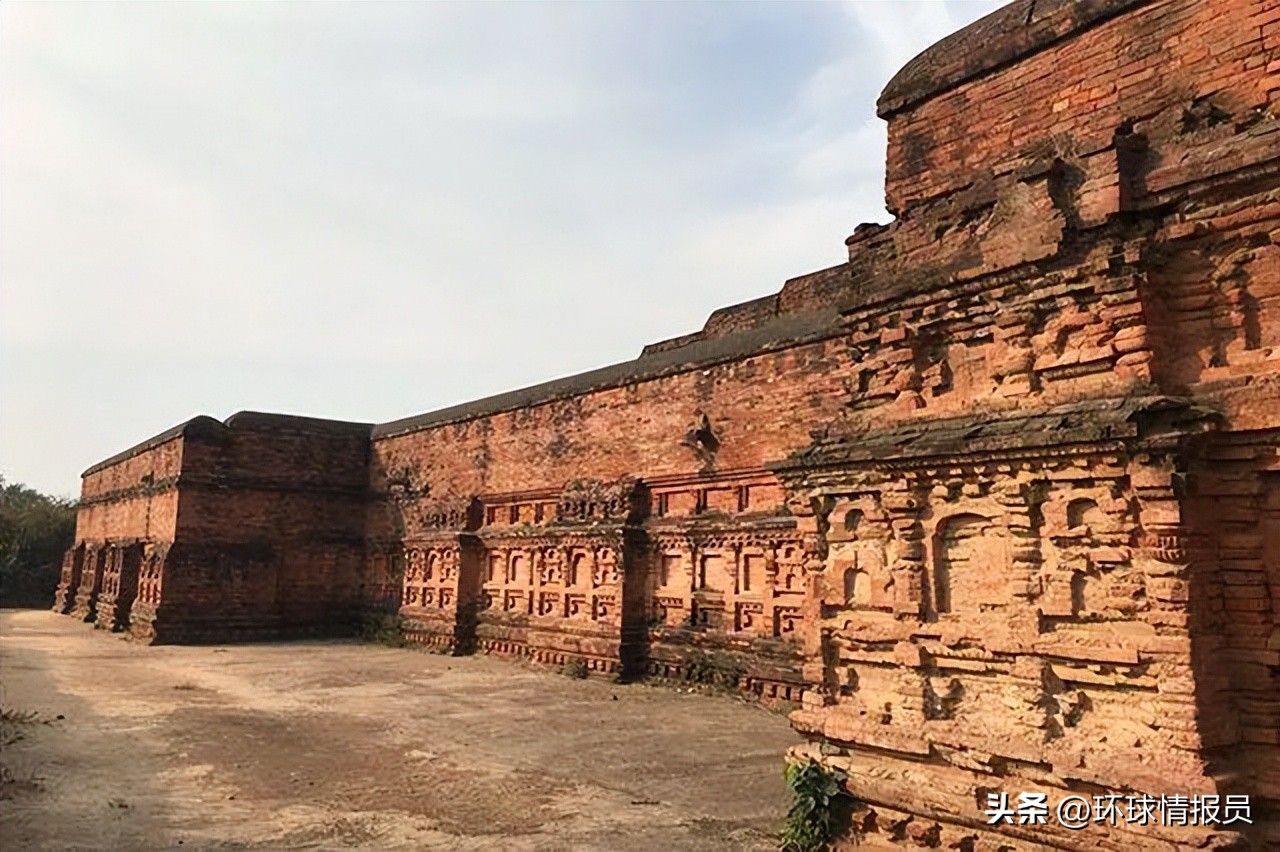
{"x": 996, "y": 502}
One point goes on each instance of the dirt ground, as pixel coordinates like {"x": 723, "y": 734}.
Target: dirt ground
{"x": 108, "y": 744}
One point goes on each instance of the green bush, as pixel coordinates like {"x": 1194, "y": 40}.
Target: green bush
{"x": 719, "y": 670}
{"x": 35, "y": 530}
{"x": 811, "y": 823}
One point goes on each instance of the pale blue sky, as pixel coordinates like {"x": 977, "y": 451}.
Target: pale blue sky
{"x": 365, "y": 211}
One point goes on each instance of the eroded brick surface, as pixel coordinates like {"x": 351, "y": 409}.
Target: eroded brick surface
{"x": 996, "y": 503}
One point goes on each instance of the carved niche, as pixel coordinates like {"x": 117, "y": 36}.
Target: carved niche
{"x": 593, "y": 500}
{"x": 858, "y": 570}
{"x": 970, "y": 564}
{"x": 448, "y": 514}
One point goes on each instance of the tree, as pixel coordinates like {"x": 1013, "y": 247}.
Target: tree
{"x": 35, "y": 530}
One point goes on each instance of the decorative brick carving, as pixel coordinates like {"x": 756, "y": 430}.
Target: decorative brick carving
{"x": 593, "y": 500}
{"x": 69, "y": 580}
{"x": 119, "y": 585}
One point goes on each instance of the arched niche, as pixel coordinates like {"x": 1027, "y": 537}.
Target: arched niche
{"x": 713, "y": 572}
{"x": 1083, "y": 512}
{"x": 519, "y": 570}
{"x": 1079, "y": 592}
{"x": 579, "y": 568}
{"x": 857, "y": 588}
{"x": 969, "y": 567}
{"x": 851, "y": 521}
{"x": 670, "y": 569}
{"x": 859, "y": 537}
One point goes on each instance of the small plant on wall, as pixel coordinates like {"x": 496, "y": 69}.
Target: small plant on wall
{"x": 576, "y": 669}
{"x": 816, "y": 793}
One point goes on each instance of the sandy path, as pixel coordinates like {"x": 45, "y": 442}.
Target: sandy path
{"x": 336, "y": 745}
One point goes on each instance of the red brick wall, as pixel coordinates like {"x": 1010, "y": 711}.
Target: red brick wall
{"x": 760, "y": 408}
{"x": 126, "y": 501}
{"x": 1094, "y": 216}
{"x": 135, "y": 497}
{"x": 1074, "y": 94}
{"x": 1009, "y": 475}
{"x": 270, "y": 530}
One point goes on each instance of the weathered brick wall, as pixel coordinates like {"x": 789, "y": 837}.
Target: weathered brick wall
{"x": 1234, "y": 524}
{"x": 809, "y": 293}
{"x": 656, "y": 585}
{"x": 133, "y": 498}
{"x": 1042, "y": 524}
{"x": 127, "y": 499}
{"x": 997, "y": 500}
{"x": 759, "y": 407}
{"x": 269, "y": 538}
{"x": 1117, "y": 252}
{"x": 214, "y": 531}
{"x": 949, "y": 130}
{"x": 119, "y": 586}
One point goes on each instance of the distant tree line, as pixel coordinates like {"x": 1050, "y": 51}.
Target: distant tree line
{"x": 35, "y": 530}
